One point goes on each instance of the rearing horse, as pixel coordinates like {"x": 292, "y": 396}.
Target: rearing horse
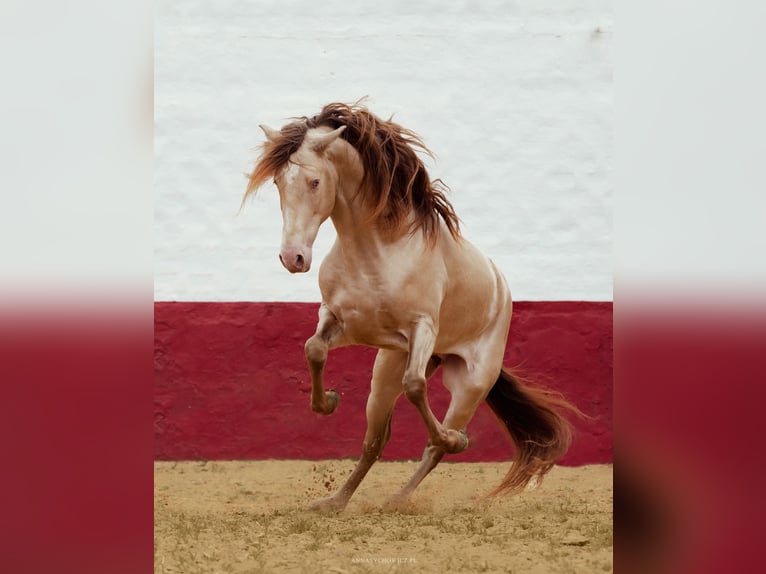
{"x": 401, "y": 278}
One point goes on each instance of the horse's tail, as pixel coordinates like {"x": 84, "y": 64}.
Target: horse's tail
{"x": 539, "y": 433}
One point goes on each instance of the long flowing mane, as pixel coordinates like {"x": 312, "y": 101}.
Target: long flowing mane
{"x": 395, "y": 184}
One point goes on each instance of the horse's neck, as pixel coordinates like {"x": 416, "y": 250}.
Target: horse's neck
{"x": 358, "y": 237}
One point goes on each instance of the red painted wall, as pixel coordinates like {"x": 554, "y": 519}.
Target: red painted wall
{"x": 231, "y": 383}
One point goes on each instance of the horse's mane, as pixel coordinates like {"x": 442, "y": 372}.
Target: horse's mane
{"x": 395, "y": 181}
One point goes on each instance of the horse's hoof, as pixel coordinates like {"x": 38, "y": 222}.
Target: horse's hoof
{"x": 457, "y": 441}
{"x": 330, "y": 504}
{"x": 331, "y": 400}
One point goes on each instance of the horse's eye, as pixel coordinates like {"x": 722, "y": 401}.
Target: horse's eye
{"x": 314, "y": 183}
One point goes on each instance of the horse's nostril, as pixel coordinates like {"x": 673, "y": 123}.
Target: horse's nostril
{"x": 299, "y": 260}
{"x": 282, "y": 261}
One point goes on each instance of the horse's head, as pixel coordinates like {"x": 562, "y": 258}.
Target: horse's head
{"x": 307, "y": 185}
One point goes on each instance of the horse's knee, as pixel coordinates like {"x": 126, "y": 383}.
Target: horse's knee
{"x": 415, "y": 388}
{"x": 316, "y": 350}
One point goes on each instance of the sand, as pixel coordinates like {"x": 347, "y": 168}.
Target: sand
{"x": 250, "y": 516}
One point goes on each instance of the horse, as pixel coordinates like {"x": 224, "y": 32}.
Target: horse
{"x": 401, "y": 278}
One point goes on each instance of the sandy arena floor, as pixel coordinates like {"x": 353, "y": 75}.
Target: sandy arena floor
{"x": 248, "y": 517}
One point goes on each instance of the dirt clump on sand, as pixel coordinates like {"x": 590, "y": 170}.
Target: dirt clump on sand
{"x": 250, "y": 516}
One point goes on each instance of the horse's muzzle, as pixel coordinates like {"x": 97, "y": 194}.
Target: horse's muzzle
{"x": 295, "y": 260}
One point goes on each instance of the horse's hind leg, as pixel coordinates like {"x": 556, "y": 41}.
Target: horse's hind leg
{"x": 468, "y": 391}
{"x": 431, "y": 457}
{"x": 386, "y": 388}
{"x": 328, "y": 335}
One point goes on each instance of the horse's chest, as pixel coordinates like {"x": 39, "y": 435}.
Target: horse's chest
{"x": 375, "y": 307}
{"x": 365, "y": 321}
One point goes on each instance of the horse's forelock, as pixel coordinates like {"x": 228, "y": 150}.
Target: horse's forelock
{"x": 276, "y": 154}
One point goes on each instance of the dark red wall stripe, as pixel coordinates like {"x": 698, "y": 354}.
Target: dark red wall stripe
{"x": 231, "y": 383}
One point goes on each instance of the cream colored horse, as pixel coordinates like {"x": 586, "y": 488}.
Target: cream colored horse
{"x": 401, "y": 278}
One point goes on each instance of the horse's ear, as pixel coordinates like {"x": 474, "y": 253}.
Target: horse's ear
{"x": 320, "y": 142}
{"x": 271, "y": 134}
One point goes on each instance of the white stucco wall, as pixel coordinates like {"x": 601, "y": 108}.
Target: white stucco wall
{"x": 515, "y": 98}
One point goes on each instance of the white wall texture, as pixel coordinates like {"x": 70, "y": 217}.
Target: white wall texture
{"x": 515, "y": 98}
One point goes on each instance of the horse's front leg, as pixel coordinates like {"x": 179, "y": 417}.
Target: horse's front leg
{"x": 385, "y": 389}
{"x": 421, "y": 347}
{"x": 328, "y": 335}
